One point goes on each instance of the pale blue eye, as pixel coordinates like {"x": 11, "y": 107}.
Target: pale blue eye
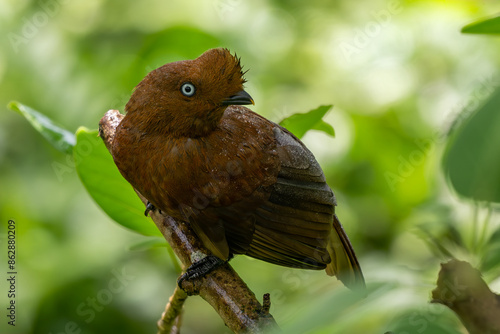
{"x": 188, "y": 89}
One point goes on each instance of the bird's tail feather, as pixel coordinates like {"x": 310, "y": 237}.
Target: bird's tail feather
{"x": 344, "y": 263}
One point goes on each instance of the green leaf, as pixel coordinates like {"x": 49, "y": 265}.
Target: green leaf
{"x": 106, "y": 185}
{"x": 491, "y": 258}
{"x": 299, "y": 124}
{"x": 487, "y": 26}
{"x": 61, "y": 139}
{"x": 472, "y": 156}
{"x": 153, "y": 242}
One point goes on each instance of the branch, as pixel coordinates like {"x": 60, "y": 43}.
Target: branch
{"x": 222, "y": 288}
{"x": 170, "y": 321}
{"x": 461, "y": 288}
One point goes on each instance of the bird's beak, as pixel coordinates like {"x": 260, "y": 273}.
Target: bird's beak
{"x": 240, "y": 98}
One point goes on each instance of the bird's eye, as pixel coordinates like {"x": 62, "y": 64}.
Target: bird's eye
{"x": 188, "y": 89}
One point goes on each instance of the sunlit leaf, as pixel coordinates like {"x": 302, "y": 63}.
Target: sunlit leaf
{"x": 472, "y": 158}
{"x": 299, "y": 124}
{"x": 106, "y": 185}
{"x": 58, "y": 137}
{"x": 487, "y": 26}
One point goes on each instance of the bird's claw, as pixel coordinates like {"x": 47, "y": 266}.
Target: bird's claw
{"x": 149, "y": 207}
{"x": 200, "y": 268}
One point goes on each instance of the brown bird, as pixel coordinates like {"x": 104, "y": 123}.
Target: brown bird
{"x": 245, "y": 184}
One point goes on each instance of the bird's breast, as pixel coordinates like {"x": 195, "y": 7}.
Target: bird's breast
{"x": 219, "y": 169}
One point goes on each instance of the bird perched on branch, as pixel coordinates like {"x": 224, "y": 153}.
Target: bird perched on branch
{"x": 244, "y": 184}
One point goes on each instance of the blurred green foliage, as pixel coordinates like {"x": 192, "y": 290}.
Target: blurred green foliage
{"x": 399, "y": 74}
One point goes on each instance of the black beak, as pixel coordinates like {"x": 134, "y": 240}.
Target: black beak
{"x": 241, "y": 98}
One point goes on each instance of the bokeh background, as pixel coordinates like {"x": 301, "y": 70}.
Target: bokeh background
{"x": 399, "y": 73}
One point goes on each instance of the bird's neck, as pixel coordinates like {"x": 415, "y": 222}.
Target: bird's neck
{"x": 200, "y": 128}
{"x": 177, "y": 127}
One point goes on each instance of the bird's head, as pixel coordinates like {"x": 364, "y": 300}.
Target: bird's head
{"x": 188, "y": 98}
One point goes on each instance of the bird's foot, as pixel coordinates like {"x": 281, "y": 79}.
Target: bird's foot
{"x": 150, "y": 207}
{"x": 200, "y": 268}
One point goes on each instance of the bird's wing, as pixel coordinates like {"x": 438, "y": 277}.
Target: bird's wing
{"x": 294, "y": 226}
{"x": 235, "y": 165}
{"x": 288, "y": 216}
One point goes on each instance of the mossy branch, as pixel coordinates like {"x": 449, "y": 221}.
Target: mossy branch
{"x": 461, "y": 288}
{"x": 170, "y": 321}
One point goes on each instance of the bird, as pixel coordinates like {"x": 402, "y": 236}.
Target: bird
{"x": 245, "y": 184}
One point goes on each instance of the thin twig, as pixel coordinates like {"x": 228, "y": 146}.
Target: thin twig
{"x": 170, "y": 321}
{"x": 266, "y": 303}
